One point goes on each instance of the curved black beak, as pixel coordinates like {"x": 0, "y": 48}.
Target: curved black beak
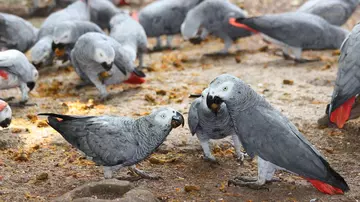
{"x": 38, "y": 65}
{"x": 30, "y": 85}
{"x": 5, "y": 123}
{"x": 213, "y": 103}
{"x": 177, "y": 120}
{"x": 106, "y": 66}
{"x": 194, "y": 95}
{"x": 54, "y": 46}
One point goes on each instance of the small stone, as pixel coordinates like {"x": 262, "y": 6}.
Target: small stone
{"x": 189, "y": 188}
{"x": 42, "y": 177}
{"x": 288, "y": 82}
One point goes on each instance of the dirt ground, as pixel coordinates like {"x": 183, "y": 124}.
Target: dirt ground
{"x": 44, "y": 166}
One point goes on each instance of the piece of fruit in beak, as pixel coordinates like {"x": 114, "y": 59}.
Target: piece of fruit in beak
{"x": 104, "y": 75}
{"x": 59, "y": 52}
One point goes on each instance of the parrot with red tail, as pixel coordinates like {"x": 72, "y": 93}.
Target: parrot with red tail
{"x": 266, "y": 133}
{"x": 347, "y": 84}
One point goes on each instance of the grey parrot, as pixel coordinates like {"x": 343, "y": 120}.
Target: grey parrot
{"x": 67, "y": 33}
{"x": 17, "y": 71}
{"x": 336, "y": 12}
{"x": 164, "y": 17}
{"x": 76, "y": 11}
{"x": 10, "y": 35}
{"x": 206, "y": 125}
{"x": 130, "y": 34}
{"x": 102, "y": 11}
{"x": 347, "y": 84}
{"x": 116, "y": 142}
{"x": 212, "y": 17}
{"x": 295, "y": 31}
{"x": 42, "y": 53}
{"x": 5, "y": 114}
{"x": 96, "y": 53}
{"x": 268, "y": 134}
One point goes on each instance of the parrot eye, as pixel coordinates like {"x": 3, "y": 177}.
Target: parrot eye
{"x": 101, "y": 55}
{"x": 225, "y": 88}
{"x": 163, "y": 116}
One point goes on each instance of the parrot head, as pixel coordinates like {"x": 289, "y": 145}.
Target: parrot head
{"x": 220, "y": 89}
{"x": 104, "y": 54}
{"x": 167, "y": 116}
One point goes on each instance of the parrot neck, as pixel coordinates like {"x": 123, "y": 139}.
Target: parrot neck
{"x": 149, "y": 136}
{"x": 248, "y": 99}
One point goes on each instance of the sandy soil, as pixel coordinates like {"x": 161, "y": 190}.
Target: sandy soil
{"x": 44, "y": 166}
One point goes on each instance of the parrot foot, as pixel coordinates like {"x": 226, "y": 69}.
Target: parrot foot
{"x": 161, "y": 48}
{"x": 82, "y": 85}
{"x": 143, "y": 174}
{"x": 249, "y": 182}
{"x": 23, "y": 104}
{"x": 241, "y": 157}
{"x": 218, "y": 54}
{"x": 303, "y": 60}
{"x": 286, "y": 56}
{"x": 104, "y": 98}
{"x": 211, "y": 159}
{"x": 246, "y": 179}
{"x": 8, "y": 99}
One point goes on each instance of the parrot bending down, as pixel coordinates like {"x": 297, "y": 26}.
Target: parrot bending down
{"x": 130, "y": 34}
{"x": 207, "y": 125}
{"x": 95, "y": 53}
{"x": 212, "y": 17}
{"x": 17, "y": 71}
{"x": 67, "y": 33}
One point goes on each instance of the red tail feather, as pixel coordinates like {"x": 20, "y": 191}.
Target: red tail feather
{"x": 325, "y": 188}
{"x": 123, "y": 2}
{"x": 134, "y": 79}
{"x": 233, "y": 22}
{"x": 2, "y": 105}
{"x": 4, "y": 74}
{"x": 342, "y": 113}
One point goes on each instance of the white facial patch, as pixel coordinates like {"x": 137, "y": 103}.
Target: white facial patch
{"x": 223, "y": 90}
{"x": 165, "y": 116}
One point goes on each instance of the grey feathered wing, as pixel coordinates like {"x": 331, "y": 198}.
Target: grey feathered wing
{"x": 274, "y": 138}
{"x": 347, "y": 82}
{"x": 108, "y": 140}
{"x": 193, "y": 119}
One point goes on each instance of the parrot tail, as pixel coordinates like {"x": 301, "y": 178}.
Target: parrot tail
{"x": 325, "y": 188}
{"x": 340, "y": 115}
{"x": 123, "y": 2}
{"x": 237, "y": 23}
{"x": 135, "y": 79}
